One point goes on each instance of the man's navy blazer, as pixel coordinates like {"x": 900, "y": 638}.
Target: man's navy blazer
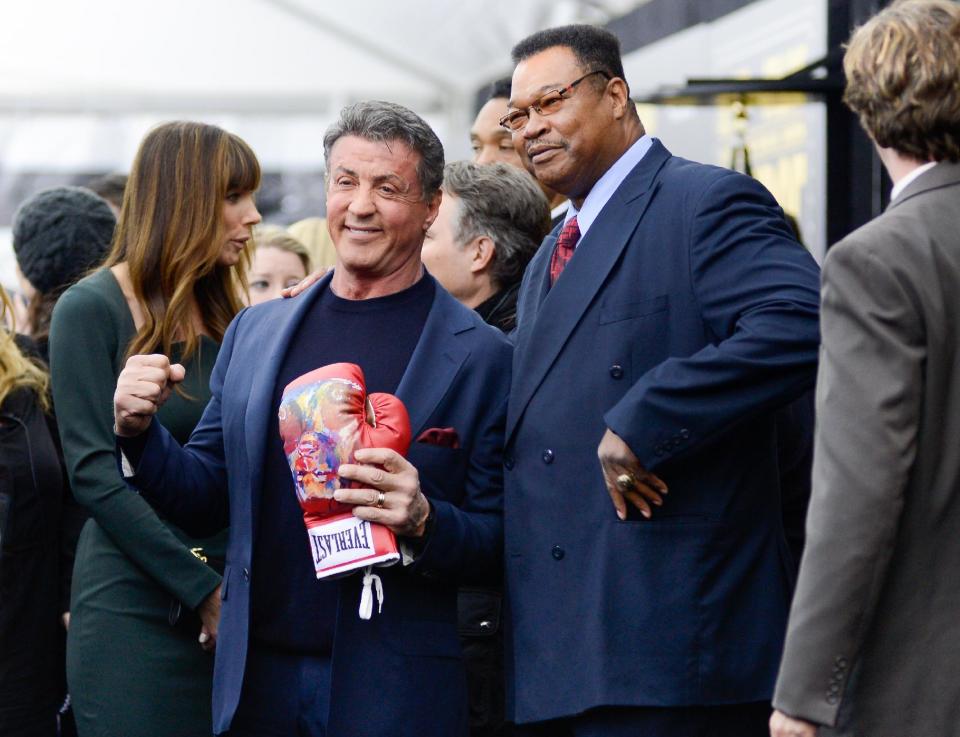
{"x": 686, "y": 316}
{"x": 400, "y": 673}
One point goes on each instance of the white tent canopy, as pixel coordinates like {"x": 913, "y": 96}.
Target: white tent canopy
{"x": 80, "y": 82}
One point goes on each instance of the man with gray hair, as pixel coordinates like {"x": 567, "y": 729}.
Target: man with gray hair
{"x": 491, "y": 221}
{"x": 293, "y": 656}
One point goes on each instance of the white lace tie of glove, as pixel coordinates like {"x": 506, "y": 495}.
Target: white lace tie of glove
{"x": 366, "y": 597}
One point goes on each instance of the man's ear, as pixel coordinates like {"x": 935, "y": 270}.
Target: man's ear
{"x": 620, "y": 95}
{"x": 433, "y": 209}
{"x": 482, "y": 250}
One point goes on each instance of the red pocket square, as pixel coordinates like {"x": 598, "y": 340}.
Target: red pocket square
{"x": 446, "y": 437}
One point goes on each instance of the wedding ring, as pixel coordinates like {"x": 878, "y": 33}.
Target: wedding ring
{"x": 381, "y": 498}
{"x": 626, "y": 481}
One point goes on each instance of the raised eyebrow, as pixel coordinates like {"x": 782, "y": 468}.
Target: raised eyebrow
{"x": 392, "y": 178}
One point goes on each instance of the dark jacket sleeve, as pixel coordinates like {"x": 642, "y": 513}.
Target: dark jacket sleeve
{"x": 72, "y": 514}
{"x": 758, "y": 293}
{"x": 83, "y": 343}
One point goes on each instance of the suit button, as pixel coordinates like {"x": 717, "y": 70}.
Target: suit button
{"x": 832, "y": 698}
{"x": 676, "y": 442}
{"x": 508, "y": 463}
{"x": 841, "y": 662}
{"x": 684, "y": 433}
{"x": 246, "y": 574}
{"x": 557, "y": 552}
{"x": 547, "y": 456}
{"x": 616, "y": 371}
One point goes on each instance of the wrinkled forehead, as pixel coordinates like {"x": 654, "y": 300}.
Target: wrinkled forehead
{"x": 374, "y": 159}
{"x": 550, "y": 69}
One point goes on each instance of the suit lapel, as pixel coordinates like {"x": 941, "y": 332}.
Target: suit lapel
{"x": 430, "y": 373}
{"x": 541, "y": 338}
{"x": 536, "y": 283}
{"x": 271, "y": 348}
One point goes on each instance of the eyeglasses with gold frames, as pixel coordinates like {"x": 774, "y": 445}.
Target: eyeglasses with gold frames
{"x": 547, "y": 104}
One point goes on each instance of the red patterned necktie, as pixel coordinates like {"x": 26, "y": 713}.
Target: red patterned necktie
{"x": 564, "y": 249}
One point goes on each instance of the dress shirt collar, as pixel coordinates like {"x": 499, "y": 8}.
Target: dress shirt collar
{"x": 905, "y": 181}
{"x": 608, "y": 184}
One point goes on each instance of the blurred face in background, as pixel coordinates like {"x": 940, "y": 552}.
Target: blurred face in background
{"x": 446, "y": 259}
{"x": 272, "y": 270}
{"x": 491, "y": 142}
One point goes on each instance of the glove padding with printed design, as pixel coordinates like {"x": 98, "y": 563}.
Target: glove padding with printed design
{"x": 325, "y": 415}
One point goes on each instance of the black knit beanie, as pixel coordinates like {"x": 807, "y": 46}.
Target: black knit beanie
{"x": 60, "y": 233}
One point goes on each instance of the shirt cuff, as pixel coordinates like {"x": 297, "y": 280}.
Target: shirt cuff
{"x": 412, "y": 547}
{"x": 131, "y": 451}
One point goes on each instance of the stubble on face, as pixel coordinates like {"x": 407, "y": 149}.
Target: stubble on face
{"x": 377, "y": 216}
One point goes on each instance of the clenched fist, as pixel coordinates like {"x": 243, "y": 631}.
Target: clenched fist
{"x": 142, "y": 388}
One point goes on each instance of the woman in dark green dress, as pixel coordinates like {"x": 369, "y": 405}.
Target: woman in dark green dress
{"x": 146, "y": 596}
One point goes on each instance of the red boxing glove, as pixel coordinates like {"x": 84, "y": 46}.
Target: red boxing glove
{"x": 325, "y": 415}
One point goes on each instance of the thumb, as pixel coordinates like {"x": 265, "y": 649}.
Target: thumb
{"x": 176, "y": 373}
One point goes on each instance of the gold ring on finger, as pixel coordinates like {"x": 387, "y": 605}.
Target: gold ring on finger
{"x": 381, "y": 498}
{"x": 626, "y": 481}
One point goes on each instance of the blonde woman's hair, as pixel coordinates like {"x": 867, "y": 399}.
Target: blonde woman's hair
{"x": 16, "y": 370}
{"x": 273, "y": 236}
{"x": 171, "y": 231}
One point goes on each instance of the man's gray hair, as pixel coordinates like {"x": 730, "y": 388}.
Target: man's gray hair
{"x": 503, "y": 203}
{"x": 384, "y": 122}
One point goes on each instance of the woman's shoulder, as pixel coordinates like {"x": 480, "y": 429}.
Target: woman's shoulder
{"x": 100, "y": 286}
{"x": 96, "y": 294}
{"x": 92, "y": 315}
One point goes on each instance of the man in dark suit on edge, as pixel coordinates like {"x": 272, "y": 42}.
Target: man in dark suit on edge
{"x": 659, "y": 328}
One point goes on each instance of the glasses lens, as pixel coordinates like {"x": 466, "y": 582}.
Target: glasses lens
{"x": 549, "y": 103}
{"x": 514, "y": 121}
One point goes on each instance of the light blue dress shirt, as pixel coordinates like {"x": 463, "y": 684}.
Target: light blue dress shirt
{"x": 607, "y": 184}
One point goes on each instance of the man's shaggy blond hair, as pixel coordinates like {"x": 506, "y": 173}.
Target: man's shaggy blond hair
{"x": 903, "y": 78}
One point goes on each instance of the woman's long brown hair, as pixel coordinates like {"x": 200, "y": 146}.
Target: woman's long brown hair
{"x": 171, "y": 231}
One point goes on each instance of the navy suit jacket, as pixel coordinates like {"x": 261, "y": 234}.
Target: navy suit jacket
{"x": 399, "y": 673}
{"x": 686, "y": 316}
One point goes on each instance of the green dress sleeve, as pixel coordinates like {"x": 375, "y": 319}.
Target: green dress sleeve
{"x": 84, "y": 344}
